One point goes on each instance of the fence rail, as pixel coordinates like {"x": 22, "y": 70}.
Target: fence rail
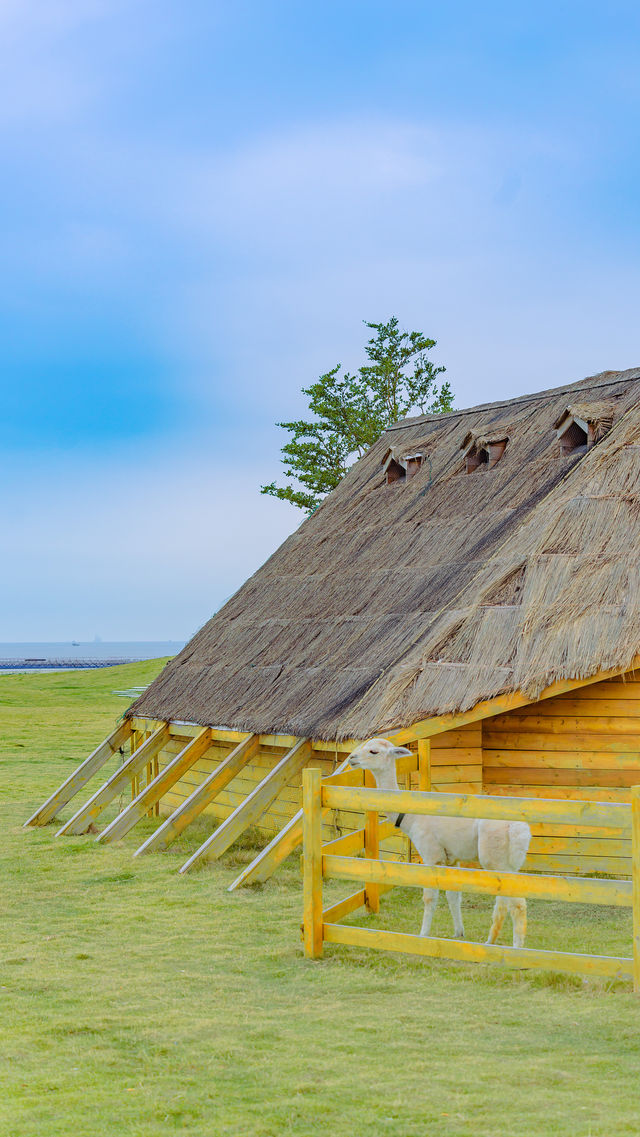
{"x": 376, "y": 875}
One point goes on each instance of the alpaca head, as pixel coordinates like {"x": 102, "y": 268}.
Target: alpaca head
{"x": 376, "y": 754}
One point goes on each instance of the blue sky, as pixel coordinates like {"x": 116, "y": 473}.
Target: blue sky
{"x": 200, "y": 203}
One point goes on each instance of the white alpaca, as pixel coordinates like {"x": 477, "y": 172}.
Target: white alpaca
{"x": 497, "y": 845}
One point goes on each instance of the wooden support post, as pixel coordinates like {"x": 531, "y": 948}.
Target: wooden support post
{"x": 78, "y": 780}
{"x": 209, "y": 789}
{"x": 284, "y": 843}
{"x": 253, "y": 806}
{"x": 152, "y": 793}
{"x": 136, "y": 740}
{"x": 81, "y": 820}
{"x": 312, "y": 827}
{"x": 424, "y": 764}
{"x": 635, "y": 870}
{"x": 371, "y": 848}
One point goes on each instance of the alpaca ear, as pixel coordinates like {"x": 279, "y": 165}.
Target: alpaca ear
{"x": 400, "y": 751}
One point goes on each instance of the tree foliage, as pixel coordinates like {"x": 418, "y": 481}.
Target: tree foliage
{"x": 352, "y": 410}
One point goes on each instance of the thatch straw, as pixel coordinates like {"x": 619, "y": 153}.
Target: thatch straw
{"x": 396, "y": 602}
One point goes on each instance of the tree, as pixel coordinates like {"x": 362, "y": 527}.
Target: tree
{"x": 352, "y": 411}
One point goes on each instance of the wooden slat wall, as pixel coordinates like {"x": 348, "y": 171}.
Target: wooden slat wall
{"x": 289, "y": 801}
{"x": 585, "y": 747}
{"x": 456, "y": 761}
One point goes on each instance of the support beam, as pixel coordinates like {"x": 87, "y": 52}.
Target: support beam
{"x": 209, "y": 789}
{"x": 312, "y": 880}
{"x": 81, "y": 820}
{"x": 83, "y": 774}
{"x": 428, "y": 728}
{"x": 290, "y": 837}
{"x": 162, "y": 782}
{"x": 253, "y": 806}
{"x": 635, "y": 879}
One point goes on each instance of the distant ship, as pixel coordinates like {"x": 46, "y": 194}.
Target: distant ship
{"x": 75, "y": 643}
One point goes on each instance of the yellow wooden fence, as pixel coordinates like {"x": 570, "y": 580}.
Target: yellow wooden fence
{"x": 375, "y": 875}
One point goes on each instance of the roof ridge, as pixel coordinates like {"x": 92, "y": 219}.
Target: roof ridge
{"x": 548, "y": 393}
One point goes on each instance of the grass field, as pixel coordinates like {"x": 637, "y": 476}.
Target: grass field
{"x": 136, "y": 1002}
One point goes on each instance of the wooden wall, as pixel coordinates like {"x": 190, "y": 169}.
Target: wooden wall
{"x": 456, "y": 764}
{"x": 584, "y": 746}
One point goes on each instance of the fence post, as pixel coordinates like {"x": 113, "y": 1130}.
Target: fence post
{"x": 312, "y": 846}
{"x": 424, "y": 764}
{"x": 635, "y": 871}
{"x": 371, "y": 848}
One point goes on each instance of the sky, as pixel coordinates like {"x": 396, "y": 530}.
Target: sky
{"x": 200, "y": 204}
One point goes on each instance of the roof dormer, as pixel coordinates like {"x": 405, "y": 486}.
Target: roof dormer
{"x": 581, "y": 425}
{"x": 402, "y": 466}
{"x": 483, "y": 450}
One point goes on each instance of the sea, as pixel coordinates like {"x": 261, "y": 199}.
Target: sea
{"x": 76, "y": 656}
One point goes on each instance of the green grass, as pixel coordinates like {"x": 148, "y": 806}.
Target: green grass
{"x": 137, "y": 1002}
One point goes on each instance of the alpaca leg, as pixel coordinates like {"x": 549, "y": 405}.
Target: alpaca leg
{"x": 430, "y": 897}
{"x": 499, "y": 913}
{"x": 518, "y": 913}
{"x": 455, "y": 900}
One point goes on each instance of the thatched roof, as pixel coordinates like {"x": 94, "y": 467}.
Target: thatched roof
{"x": 392, "y": 603}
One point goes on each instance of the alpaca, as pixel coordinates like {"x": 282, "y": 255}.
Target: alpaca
{"x": 496, "y": 845}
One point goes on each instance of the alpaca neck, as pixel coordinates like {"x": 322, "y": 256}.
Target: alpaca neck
{"x": 387, "y": 780}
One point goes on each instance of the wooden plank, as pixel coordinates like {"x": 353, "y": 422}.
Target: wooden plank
{"x": 83, "y": 774}
{"x": 583, "y": 864}
{"x": 635, "y": 836}
{"x": 344, "y": 907}
{"x": 424, "y": 764}
{"x": 253, "y": 806}
{"x": 603, "y": 966}
{"x": 581, "y": 726}
{"x": 527, "y": 776}
{"x": 202, "y": 796}
{"x": 114, "y": 785}
{"x": 371, "y": 849}
{"x": 449, "y": 774}
{"x": 586, "y": 706}
{"x": 312, "y": 880}
{"x": 151, "y": 794}
{"x": 594, "y": 847}
{"x": 560, "y": 759}
{"x": 586, "y": 794}
{"x": 350, "y": 904}
{"x": 458, "y": 787}
{"x": 571, "y": 889}
{"x": 460, "y": 805}
{"x": 611, "y": 744}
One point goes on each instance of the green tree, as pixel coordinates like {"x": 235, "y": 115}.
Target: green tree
{"x": 351, "y": 411}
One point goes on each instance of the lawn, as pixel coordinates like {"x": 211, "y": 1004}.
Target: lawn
{"x": 137, "y": 1002}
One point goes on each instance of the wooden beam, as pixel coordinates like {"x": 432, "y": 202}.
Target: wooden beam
{"x": 162, "y": 782}
{"x": 290, "y": 837}
{"x": 350, "y": 904}
{"x": 81, "y": 820}
{"x": 83, "y": 774}
{"x": 562, "y": 812}
{"x": 203, "y": 794}
{"x": 253, "y": 806}
{"x": 635, "y": 879}
{"x": 607, "y": 967}
{"x": 587, "y": 890}
{"x": 312, "y": 879}
{"x": 371, "y": 846}
{"x": 427, "y": 728}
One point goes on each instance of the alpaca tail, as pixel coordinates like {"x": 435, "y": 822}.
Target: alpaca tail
{"x": 519, "y": 839}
